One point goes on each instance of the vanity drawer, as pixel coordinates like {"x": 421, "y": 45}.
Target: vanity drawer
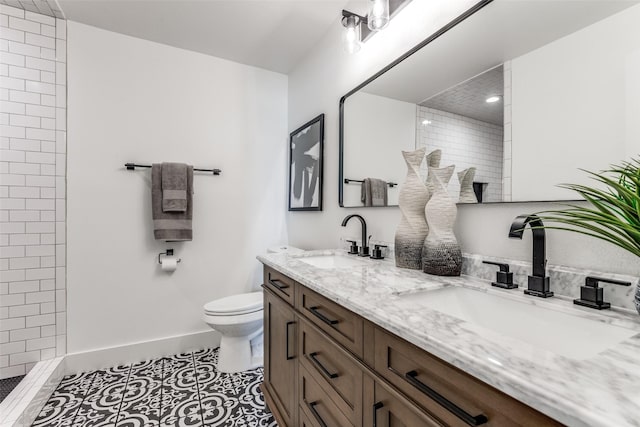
{"x": 333, "y": 368}
{"x": 454, "y": 397}
{"x": 336, "y": 321}
{"x": 318, "y": 407}
{"x": 280, "y": 284}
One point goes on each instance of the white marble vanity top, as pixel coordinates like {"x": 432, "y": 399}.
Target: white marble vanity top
{"x": 603, "y": 390}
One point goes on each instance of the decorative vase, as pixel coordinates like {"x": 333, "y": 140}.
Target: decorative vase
{"x": 441, "y": 254}
{"x": 465, "y": 177}
{"x": 412, "y": 199}
{"x": 433, "y": 159}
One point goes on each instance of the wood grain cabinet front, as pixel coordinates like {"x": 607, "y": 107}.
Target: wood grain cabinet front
{"x": 335, "y": 371}
{"x": 280, "y": 285}
{"x": 280, "y": 359}
{"x": 342, "y": 325}
{"x": 454, "y": 397}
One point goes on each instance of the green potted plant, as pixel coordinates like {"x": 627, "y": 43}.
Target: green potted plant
{"x": 612, "y": 212}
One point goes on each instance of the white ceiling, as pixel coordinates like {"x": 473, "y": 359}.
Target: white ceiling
{"x": 469, "y": 98}
{"x": 503, "y": 30}
{"x": 270, "y": 34}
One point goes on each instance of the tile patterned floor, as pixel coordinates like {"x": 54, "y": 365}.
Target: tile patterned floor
{"x": 183, "y": 390}
{"x": 7, "y": 385}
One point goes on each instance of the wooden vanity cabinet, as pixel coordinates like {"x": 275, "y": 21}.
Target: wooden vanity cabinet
{"x": 280, "y": 359}
{"x": 326, "y": 366}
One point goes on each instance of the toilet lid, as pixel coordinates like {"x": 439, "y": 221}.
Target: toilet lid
{"x": 235, "y": 304}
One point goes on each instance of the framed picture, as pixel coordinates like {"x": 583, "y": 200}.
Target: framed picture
{"x": 305, "y": 166}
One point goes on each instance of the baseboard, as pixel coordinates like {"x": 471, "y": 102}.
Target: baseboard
{"x": 113, "y": 356}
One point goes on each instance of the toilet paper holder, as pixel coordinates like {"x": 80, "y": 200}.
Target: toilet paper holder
{"x": 169, "y": 252}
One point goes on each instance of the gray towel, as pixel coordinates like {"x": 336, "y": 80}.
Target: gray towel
{"x": 374, "y": 192}
{"x": 174, "y": 187}
{"x": 170, "y": 225}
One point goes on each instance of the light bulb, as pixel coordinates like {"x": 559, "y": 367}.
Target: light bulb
{"x": 378, "y": 16}
{"x": 492, "y": 99}
{"x": 351, "y": 34}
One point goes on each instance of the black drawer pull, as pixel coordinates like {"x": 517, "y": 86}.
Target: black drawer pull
{"x": 287, "y": 344}
{"x": 376, "y": 406}
{"x": 472, "y": 420}
{"x": 277, "y": 283}
{"x": 322, "y": 317}
{"x": 324, "y": 370}
{"x": 312, "y": 408}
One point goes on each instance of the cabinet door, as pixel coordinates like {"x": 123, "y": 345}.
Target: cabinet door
{"x": 280, "y": 362}
{"x": 385, "y": 407}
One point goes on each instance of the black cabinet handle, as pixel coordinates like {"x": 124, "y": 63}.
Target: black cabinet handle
{"x": 277, "y": 283}
{"x": 324, "y": 370}
{"x": 312, "y": 408}
{"x": 376, "y": 406}
{"x": 472, "y": 420}
{"x": 322, "y": 317}
{"x": 289, "y": 357}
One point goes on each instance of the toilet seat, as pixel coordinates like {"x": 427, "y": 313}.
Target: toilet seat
{"x": 235, "y": 305}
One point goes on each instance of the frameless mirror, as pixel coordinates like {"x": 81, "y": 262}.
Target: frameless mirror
{"x": 518, "y": 95}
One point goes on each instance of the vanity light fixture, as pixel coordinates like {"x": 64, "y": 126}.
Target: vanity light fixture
{"x": 358, "y": 29}
{"x": 493, "y": 98}
{"x": 378, "y": 14}
{"x": 352, "y": 34}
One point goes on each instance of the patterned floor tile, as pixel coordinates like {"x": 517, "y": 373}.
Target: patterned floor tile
{"x": 78, "y": 384}
{"x": 110, "y": 381}
{"x": 98, "y": 410}
{"x": 183, "y": 390}
{"x": 60, "y": 410}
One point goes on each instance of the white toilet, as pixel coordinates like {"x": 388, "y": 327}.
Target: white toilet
{"x": 239, "y": 319}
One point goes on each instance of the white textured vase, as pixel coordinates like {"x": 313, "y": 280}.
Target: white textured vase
{"x": 412, "y": 199}
{"x": 441, "y": 254}
{"x": 465, "y": 177}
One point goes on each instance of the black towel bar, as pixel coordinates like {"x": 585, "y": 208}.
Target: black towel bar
{"x": 133, "y": 166}
{"x": 349, "y": 181}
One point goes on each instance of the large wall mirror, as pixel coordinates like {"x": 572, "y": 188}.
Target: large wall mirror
{"x": 522, "y": 93}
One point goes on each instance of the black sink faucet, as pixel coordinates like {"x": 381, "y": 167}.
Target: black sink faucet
{"x": 364, "y": 250}
{"x": 539, "y": 281}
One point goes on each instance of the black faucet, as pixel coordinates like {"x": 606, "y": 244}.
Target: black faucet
{"x": 538, "y": 282}
{"x": 364, "y": 250}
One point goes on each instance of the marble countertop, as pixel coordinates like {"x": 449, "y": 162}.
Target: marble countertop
{"x": 603, "y": 390}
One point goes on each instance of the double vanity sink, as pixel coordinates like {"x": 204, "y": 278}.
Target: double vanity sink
{"x": 577, "y": 366}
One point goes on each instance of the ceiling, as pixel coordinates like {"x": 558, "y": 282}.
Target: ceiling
{"x": 43, "y": 7}
{"x": 270, "y": 34}
{"x": 469, "y": 98}
{"x": 503, "y": 30}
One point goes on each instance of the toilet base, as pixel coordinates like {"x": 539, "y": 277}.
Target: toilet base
{"x": 236, "y": 355}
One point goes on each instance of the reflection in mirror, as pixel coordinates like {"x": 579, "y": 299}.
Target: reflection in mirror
{"x": 519, "y": 96}
{"x": 465, "y": 122}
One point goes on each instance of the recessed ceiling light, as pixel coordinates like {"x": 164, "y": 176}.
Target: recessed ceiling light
{"x": 494, "y": 98}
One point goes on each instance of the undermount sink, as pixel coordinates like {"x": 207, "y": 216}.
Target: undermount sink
{"x": 332, "y": 261}
{"x": 565, "y": 334}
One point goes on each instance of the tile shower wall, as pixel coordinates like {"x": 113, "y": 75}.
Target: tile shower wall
{"x": 32, "y": 189}
{"x": 465, "y": 143}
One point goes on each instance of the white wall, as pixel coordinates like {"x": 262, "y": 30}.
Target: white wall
{"x": 32, "y": 189}
{"x": 576, "y": 101}
{"x": 317, "y": 84}
{"x": 134, "y": 100}
{"x": 378, "y": 129}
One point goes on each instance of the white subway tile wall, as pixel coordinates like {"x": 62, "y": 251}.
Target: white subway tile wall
{"x": 32, "y": 185}
{"x": 464, "y": 142}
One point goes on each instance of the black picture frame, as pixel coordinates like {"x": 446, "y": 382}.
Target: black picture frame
{"x": 305, "y": 170}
